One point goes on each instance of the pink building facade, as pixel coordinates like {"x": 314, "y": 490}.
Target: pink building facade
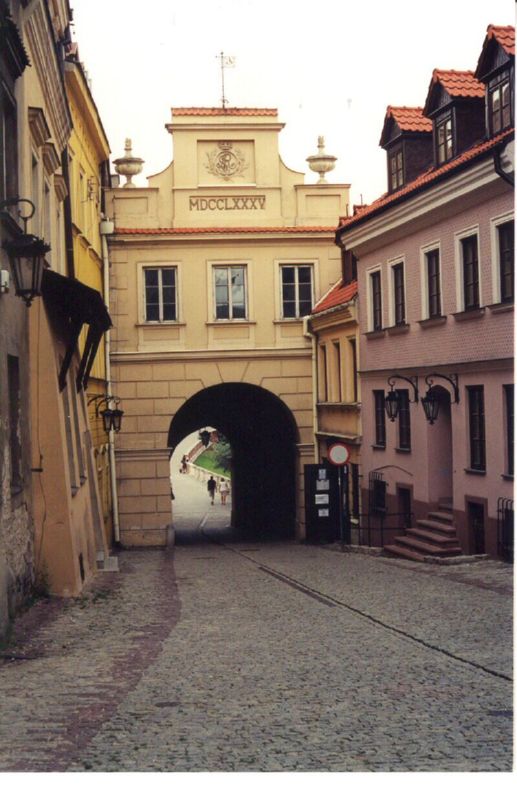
{"x": 435, "y": 277}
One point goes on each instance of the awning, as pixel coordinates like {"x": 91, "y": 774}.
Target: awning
{"x": 73, "y": 304}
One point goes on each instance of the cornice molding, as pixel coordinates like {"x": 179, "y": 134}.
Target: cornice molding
{"x": 51, "y": 160}
{"x": 39, "y": 129}
{"x": 211, "y": 355}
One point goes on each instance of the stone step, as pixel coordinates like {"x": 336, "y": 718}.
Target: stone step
{"x": 403, "y": 552}
{"x": 426, "y": 548}
{"x": 445, "y": 507}
{"x": 439, "y": 527}
{"x": 441, "y": 516}
{"x": 433, "y": 537}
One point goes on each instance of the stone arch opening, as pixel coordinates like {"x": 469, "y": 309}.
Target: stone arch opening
{"x": 263, "y": 434}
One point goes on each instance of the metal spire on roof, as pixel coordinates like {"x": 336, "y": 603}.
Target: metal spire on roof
{"x": 227, "y": 62}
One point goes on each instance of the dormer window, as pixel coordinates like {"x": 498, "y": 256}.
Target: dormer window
{"x": 444, "y": 140}
{"x": 396, "y": 169}
{"x": 499, "y": 104}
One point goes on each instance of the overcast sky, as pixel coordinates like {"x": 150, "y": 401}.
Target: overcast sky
{"x": 330, "y": 68}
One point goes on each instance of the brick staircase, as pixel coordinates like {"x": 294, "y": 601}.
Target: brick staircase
{"x": 434, "y": 536}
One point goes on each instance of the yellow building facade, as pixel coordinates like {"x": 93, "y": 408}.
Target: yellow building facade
{"x": 337, "y": 401}
{"x": 88, "y": 166}
{"x": 214, "y": 269}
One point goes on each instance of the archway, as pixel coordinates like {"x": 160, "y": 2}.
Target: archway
{"x": 263, "y": 435}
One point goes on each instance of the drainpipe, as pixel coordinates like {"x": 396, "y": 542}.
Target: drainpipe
{"x": 314, "y": 360}
{"x": 106, "y": 227}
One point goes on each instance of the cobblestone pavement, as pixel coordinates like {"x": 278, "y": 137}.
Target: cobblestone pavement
{"x": 225, "y": 655}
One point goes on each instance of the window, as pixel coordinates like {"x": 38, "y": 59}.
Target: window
{"x": 337, "y": 371}
{"x": 380, "y": 418}
{"x": 476, "y": 410}
{"x": 404, "y": 420}
{"x": 15, "y": 446}
{"x": 506, "y": 261}
{"x": 160, "y": 294}
{"x": 376, "y": 300}
{"x": 323, "y": 381}
{"x": 499, "y": 104}
{"x": 399, "y": 304}
{"x": 432, "y": 261}
{"x": 444, "y": 140}
{"x": 296, "y": 291}
{"x": 396, "y": 170}
{"x": 230, "y": 292}
{"x": 509, "y": 412}
{"x": 8, "y": 146}
{"x": 469, "y": 252}
{"x": 353, "y": 353}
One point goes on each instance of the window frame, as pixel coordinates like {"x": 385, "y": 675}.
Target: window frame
{"x": 495, "y": 224}
{"x": 296, "y": 265}
{"x": 509, "y": 423}
{"x": 229, "y": 265}
{"x": 379, "y": 416}
{"x": 404, "y": 421}
{"x": 158, "y": 264}
{"x": 374, "y": 312}
{"x": 497, "y": 84}
{"x": 397, "y": 276}
{"x": 459, "y": 237}
{"x": 448, "y": 143}
{"x": 396, "y": 168}
{"x": 159, "y": 268}
{"x": 476, "y": 427}
{"x": 9, "y": 143}
{"x": 470, "y": 272}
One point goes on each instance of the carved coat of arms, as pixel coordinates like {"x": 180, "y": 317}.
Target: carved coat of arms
{"x": 226, "y": 161}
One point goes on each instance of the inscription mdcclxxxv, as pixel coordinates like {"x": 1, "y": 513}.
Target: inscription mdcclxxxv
{"x": 243, "y": 203}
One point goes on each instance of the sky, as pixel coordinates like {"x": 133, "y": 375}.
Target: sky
{"x": 331, "y": 69}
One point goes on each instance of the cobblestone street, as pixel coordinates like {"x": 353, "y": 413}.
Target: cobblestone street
{"x": 224, "y": 655}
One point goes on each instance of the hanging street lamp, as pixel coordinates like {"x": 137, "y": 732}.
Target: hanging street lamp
{"x": 392, "y": 399}
{"x": 26, "y": 255}
{"x": 431, "y": 400}
{"x": 111, "y": 417}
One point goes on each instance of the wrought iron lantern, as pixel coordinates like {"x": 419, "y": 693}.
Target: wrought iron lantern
{"x": 111, "y": 417}
{"x": 392, "y": 399}
{"x": 26, "y": 256}
{"x": 431, "y": 399}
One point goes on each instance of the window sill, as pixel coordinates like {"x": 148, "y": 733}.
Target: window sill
{"x": 167, "y": 324}
{"x": 507, "y": 477}
{"x": 289, "y": 320}
{"x": 378, "y": 447}
{"x": 472, "y": 313}
{"x": 338, "y": 404}
{"x": 500, "y": 308}
{"x": 432, "y": 322}
{"x": 395, "y": 330}
{"x": 216, "y": 322}
{"x": 375, "y": 334}
{"x": 470, "y": 471}
{"x": 403, "y": 450}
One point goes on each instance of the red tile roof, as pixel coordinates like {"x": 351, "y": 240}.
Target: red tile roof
{"x": 180, "y": 231}
{"x": 409, "y": 119}
{"x": 427, "y": 178}
{"x": 224, "y": 112}
{"x": 459, "y": 83}
{"x": 505, "y": 35}
{"x": 336, "y": 296}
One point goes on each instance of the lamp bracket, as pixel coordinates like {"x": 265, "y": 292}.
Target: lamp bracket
{"x": 413, "y": 381}
{"x": 100, "y": 399}
{"x": 16, "y": 201}
{"x": 452, "y": 379}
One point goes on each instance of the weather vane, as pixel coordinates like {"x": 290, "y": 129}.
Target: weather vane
{"x": 227, "y": 62}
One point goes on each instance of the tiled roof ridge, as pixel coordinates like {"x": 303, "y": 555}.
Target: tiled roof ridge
{"x": 504, "y": 34}
{"x": 459, "y": 81}
{"x": 425, "y": 178}
{"x": 212, "y": 111}
{"x": 337, "y": 295}
{"x": 231, "y": 229}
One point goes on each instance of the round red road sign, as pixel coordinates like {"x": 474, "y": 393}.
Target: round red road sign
{"x": 338, "y": 454}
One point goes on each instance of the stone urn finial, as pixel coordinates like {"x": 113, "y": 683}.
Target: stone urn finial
{"x": 129, "y": 165}
{"x": 321, "y": 163}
